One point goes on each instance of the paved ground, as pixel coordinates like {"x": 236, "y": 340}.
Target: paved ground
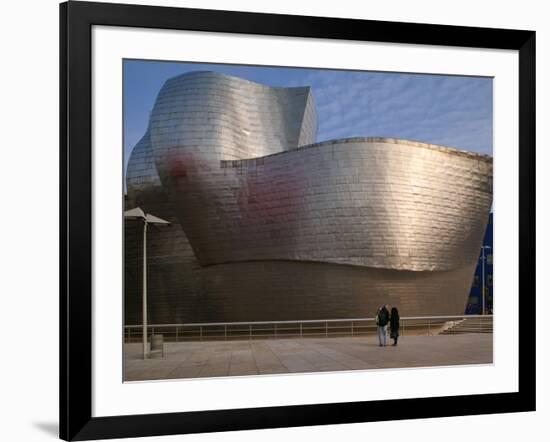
{"x": 234, "y": 358}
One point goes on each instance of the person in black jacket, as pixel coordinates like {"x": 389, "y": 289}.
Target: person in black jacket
{"x": 382, "y": 319}
{"x": 394, "y": 325}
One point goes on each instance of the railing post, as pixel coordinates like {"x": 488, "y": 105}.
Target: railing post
{"x": 225, "y": 332}
{"x": 301, "y": 336}
{"x": 326, "y": 329}
{"x": 177, "y": 334}
{"x": 249, "y": 332}
{"x": 275, "y": 329}
{"x": 352, "y": 328}
{"x": 403, "y": 327}
{"x": 200, "y": 332}
{"x": 429, "y": 330}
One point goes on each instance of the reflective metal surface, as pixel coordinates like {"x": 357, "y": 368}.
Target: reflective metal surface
{"x": 279, "y": 226}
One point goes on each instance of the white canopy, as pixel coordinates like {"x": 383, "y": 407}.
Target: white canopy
{"x": 137, "y": 212}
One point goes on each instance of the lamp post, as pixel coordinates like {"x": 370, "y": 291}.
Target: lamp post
{"x": 138, "y": 213}
{"x": 483, "y": 278}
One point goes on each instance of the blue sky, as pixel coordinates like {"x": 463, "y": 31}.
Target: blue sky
{"x": 447, "y": 110}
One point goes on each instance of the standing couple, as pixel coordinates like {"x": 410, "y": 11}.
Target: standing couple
{"x": 383, "y": 318}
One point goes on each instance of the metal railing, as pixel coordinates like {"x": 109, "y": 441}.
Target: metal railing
{"x": 414, "y": 325}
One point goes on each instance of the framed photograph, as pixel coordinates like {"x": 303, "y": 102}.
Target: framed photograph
{"x": 273, "y": 220}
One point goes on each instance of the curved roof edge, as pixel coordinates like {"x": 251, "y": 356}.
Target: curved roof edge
{"x": 412, "y": 143}
{"x": 235, "y": 78}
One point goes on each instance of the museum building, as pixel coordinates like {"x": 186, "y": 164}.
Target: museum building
{"x": 266, "y": 224}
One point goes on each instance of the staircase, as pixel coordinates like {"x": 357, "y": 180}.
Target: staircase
{"x": 481, "y": 324}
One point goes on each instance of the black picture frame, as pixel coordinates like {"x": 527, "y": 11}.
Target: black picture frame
{"x": 76, "y": 21}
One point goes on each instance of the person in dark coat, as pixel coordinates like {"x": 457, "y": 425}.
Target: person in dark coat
{"x": 382, "y": 319}
{"x": 394, "y": 325}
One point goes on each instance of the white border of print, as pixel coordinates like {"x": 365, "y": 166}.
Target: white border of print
{"x": 113, "y": 397}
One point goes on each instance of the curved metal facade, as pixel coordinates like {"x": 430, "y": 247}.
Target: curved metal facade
{"x": 273, "y": 226}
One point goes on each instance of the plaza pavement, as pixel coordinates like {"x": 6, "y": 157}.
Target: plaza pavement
{"x": 271, "y": 356}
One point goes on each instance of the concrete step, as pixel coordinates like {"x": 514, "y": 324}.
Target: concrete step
{"x": 463, "y": 332}
{"x": 470, "y": 325}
